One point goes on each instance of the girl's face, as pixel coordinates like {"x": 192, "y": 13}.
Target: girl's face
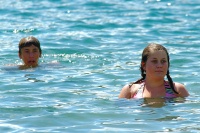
{"x": 156, "y": 65}
{"x": 30, "y": 55}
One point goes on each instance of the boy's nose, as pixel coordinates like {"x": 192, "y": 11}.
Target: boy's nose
{"x": 31, "y": 54}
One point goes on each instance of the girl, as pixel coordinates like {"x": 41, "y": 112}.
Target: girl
{"x": 154, "y": 66}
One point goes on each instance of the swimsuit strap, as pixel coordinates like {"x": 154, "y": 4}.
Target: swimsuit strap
{"x": 169, "y": 92}
{"x": 139, "y": 92}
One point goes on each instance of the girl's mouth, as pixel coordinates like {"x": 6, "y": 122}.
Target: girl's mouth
{"x": 159, "y": 71}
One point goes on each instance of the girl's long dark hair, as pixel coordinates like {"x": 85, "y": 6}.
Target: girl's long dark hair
{"x": 145, "y": 55}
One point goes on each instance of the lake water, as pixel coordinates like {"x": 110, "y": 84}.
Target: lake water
{"x": 97, "y": 47}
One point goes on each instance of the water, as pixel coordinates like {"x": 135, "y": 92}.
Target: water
{"x": 96, "y": 48}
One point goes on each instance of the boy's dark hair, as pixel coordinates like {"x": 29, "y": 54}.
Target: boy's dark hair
{"x": 28, "y": 41}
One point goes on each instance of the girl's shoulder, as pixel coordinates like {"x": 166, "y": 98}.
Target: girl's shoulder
{"x": 135, "y": 87}
{"x": 181, "y": 89}
{"x": 129, "y": 90}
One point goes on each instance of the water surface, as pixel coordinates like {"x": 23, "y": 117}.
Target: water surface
{"x": 95, "y": 47}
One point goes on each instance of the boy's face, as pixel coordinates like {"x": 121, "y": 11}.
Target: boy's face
{"x": 30, "y": 55}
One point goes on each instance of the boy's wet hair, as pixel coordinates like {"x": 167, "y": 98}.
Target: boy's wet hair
{"x": 28, "y": 41}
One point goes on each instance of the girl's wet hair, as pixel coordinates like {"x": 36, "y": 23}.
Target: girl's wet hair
{"x": 28, "y": 41}
{"x": 145, "y": 54}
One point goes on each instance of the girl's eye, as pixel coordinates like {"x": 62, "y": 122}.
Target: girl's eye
{"x": 154, "y": 61}
{"x": 163, "y": 61}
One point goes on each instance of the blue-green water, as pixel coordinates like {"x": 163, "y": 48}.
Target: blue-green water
{"x": 98, "y": 45}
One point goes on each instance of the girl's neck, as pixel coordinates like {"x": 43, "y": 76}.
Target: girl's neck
{"x": 154, "y": 83}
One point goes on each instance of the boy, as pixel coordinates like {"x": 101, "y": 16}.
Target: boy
{"x": 29, "y": 51}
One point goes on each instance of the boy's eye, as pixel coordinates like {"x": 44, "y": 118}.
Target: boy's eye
{"x": 35, "y": 51}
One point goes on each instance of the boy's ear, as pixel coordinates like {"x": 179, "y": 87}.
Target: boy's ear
{"x": 19, "y": 55}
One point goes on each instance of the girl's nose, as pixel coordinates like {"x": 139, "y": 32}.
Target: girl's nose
{"x": 159, "y": 64}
